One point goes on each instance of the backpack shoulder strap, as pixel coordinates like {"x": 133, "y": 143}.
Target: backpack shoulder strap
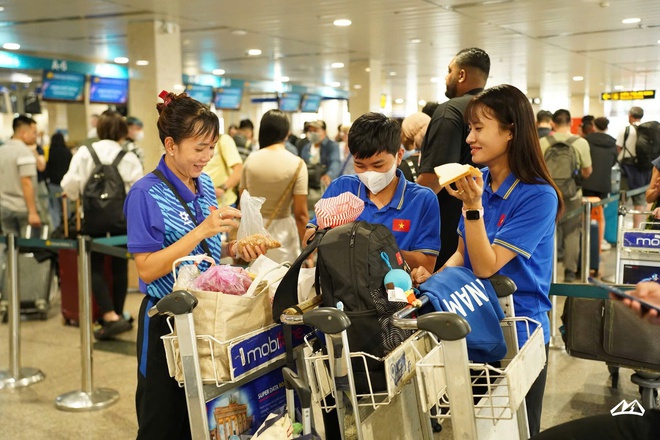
{"x": 551, "y": 140}
{"x": 95, "y": 157}
{"x": 286, "y": 294}
{"x": 119, "y": 157}
{"x": 572, "y": 139}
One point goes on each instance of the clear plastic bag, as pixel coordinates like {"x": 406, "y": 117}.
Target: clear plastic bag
{"x": 187, "y": 275}
{"x": 224, "y": 278}
{"x": 252, "y": 231}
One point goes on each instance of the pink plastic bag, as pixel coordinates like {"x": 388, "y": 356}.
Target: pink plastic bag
{"x": 224, "y": 278}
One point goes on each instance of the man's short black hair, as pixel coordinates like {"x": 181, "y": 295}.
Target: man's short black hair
{"x": 561, "y": 117}
{"x": 474, "y": 57}
{"x": 246, "y": 123}
{"x": 274, "y": 128}
{"x": 373, "y": 133}
{"x": 543, "y": 116}
{"x": 636, "y": 112}
{"x": 429, "y": 108}
{"x": 20, "y": 121}
{"x": 601, "y": 123}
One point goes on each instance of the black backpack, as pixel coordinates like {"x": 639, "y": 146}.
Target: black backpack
{"x": 647, "y": 146}
{"x": 103, "y": 199}
{"x": 410, "y": 167}
{"x": 563, "y": 165}
{"x": 349, "y": 275}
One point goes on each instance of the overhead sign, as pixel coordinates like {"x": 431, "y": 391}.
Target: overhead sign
{"x": 60, "y": 86}
{"x": 630, "y": 95}
{"x": 108, "y": 90}
{"x": 203, "y": 94}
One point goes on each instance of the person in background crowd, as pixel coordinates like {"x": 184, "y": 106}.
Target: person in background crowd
{"x": 284, "y": 187}
{"x": 159, "y": 232}
{"x": 322, "y": 158}
{"x": 344, "y": 153}
{"x": 59, "y": 158}
{"x": 232, "y": 130}
{"x": 413, "y": 130}
{"x": 112, "y": 132}
{"x": 570, "y": 229}
{"x": 631, "y": 176}
{"x": 543, "y": 123}
{"x": 135, "y": 136}
{"x": 244, "y": 138}
{"x": 43, "y": 196}
{"x": 602, "y": 148}
{"x": 514, "y": 196}
{"x": 653, "y": 191}
{"x": 18, "y": 186}
{"x": 93, "y": 121}
{"x": 587, "y": 125}
{"x": 623, "y": 426}
{"x": 429, "y": 108}
{"x": 225, "y": 169}
{"x": 445, "y": 138}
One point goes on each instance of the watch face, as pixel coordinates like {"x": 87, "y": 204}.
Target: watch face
{"x": 472, "y": 214}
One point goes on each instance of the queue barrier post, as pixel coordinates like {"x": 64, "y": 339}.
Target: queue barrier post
{"x": 87, "y": 398}
{"x": 16, "y": 376}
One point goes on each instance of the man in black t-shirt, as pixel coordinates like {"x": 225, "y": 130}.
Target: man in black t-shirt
{"x": 445, "y": 139}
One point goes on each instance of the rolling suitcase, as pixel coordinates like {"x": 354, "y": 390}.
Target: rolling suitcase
{"x": 68, "y": 272}
{"x": 36, "y": 271}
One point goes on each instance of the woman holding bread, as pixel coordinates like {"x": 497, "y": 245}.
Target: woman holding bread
{"x": 509, "y": 212}
{"x": 171, "y": 213}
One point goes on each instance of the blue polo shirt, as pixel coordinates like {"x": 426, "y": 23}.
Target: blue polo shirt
{"x": 412, "y": 215}
{"x": 156, "y": 219}
{"x": 521, "y": 217}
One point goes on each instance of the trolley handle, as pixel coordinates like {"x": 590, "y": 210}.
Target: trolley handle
{"x": 328, "y": 320}
{"x": 176, "y": 303}
{"x": 292, "y": 381}
{"x": 447, "y": 326}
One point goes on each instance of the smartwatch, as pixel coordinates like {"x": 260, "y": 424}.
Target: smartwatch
{"x": 473, "y": 214}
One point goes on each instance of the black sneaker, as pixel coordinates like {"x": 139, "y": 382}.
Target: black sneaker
{"x": 112, "y": 328}
{"x": 569, "y": 276}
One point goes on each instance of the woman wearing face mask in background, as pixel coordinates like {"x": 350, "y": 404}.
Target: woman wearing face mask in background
{"x": 409, "y": 210}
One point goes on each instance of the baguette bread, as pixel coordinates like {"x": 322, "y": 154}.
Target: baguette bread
{"x": 451, "y": 172}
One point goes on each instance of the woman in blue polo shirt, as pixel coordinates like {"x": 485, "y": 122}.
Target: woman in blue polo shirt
{"x": 509, "y": 214}
{"x": 172, "y": 212}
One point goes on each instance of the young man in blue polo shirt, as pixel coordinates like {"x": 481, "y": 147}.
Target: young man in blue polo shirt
{"x": 409, "y": 210}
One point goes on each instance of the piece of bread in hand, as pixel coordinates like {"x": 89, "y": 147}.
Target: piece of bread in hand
{"x": 451, "y": 172}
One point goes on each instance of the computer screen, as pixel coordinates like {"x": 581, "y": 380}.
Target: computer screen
{"x": 108, "y": 90}
{"x": 289, "y": 102}
{"x": 228, "y": 98}
{"x": 63, "y": 86}
{"x": 311, "y": 103}
{"x": 203, "y": 94}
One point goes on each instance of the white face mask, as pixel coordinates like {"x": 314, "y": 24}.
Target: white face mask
{"x": 139, "y": 136}
{"x": 376, "y": 181}
{"x": 314, "y": 137}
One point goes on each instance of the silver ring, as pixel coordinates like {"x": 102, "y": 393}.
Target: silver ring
{"x": 461, "y": 192}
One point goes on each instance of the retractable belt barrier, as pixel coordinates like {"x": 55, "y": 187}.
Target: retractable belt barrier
{"x": 88, "y": 397}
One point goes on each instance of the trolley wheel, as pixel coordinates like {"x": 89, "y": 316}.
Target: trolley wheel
{"x": 648, "y": 398}
{"x": 614, "y": 375}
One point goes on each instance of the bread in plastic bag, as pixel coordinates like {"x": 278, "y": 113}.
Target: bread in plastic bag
{"x": 252, "y": 231}
{"x": 224, "y": 278}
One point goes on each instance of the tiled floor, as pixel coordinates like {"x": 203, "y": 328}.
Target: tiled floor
{"x": 575, "y": 387}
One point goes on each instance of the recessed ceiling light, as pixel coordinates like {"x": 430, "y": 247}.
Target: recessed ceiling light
{"x": 121, "y": 60}
{"x": 392, "y": 73}
{"x": 367, "y": 69}
{"x": 239, "y": 32}
{"x": 434, "y": 80}
{"x": 342, "y": 22}
{"x": 631, "y": 20}
{"x": 618, "y": 87}
{"x": 415, "y": 41}
{"x": 357, "y": 86}
{"x": 142, "y": 62}
{"x": 2, "y": 8}
{"x": 398, "y": 101}
{"x": 20, "y": 78}
{"x": 179, "y": 87}
{"x": 578, "y": 78}
{"x": 11, "y": 46}
{"x": 658, "y": 41}
{"x": 335, "y": 84}
{"x": 421, "y": 103}
{"x": 254, "y": 52}
{"x": 337, "y": 65}
{"x": 218, "y": 72}
{"x": 284, "y": 79}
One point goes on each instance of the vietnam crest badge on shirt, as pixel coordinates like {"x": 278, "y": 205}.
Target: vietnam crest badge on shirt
{"x": 400, "y": 225}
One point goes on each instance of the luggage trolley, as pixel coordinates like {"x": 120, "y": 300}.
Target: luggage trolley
{"x": 637, "y": 250}
{"x": 449, "y": 384}
{"x": 199, "y": 389}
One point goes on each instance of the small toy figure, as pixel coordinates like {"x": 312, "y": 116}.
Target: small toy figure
{"x": 399, "y": 284}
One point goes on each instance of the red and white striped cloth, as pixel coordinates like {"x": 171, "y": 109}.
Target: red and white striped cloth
{"x": 336, "y": 211}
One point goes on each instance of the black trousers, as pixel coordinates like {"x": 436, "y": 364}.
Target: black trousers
{"x": 534, "y": 399}
{"x": 104, "y": 299}
{"x": 607, "y": 427}
{"x": 160, "y": 402}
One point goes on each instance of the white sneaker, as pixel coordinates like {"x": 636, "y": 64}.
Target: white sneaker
{"x": 605, "y": 246}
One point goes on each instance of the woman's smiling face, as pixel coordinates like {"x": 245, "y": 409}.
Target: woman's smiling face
{"x": 488, "y": 141}
{"x": 191, "y": 155}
